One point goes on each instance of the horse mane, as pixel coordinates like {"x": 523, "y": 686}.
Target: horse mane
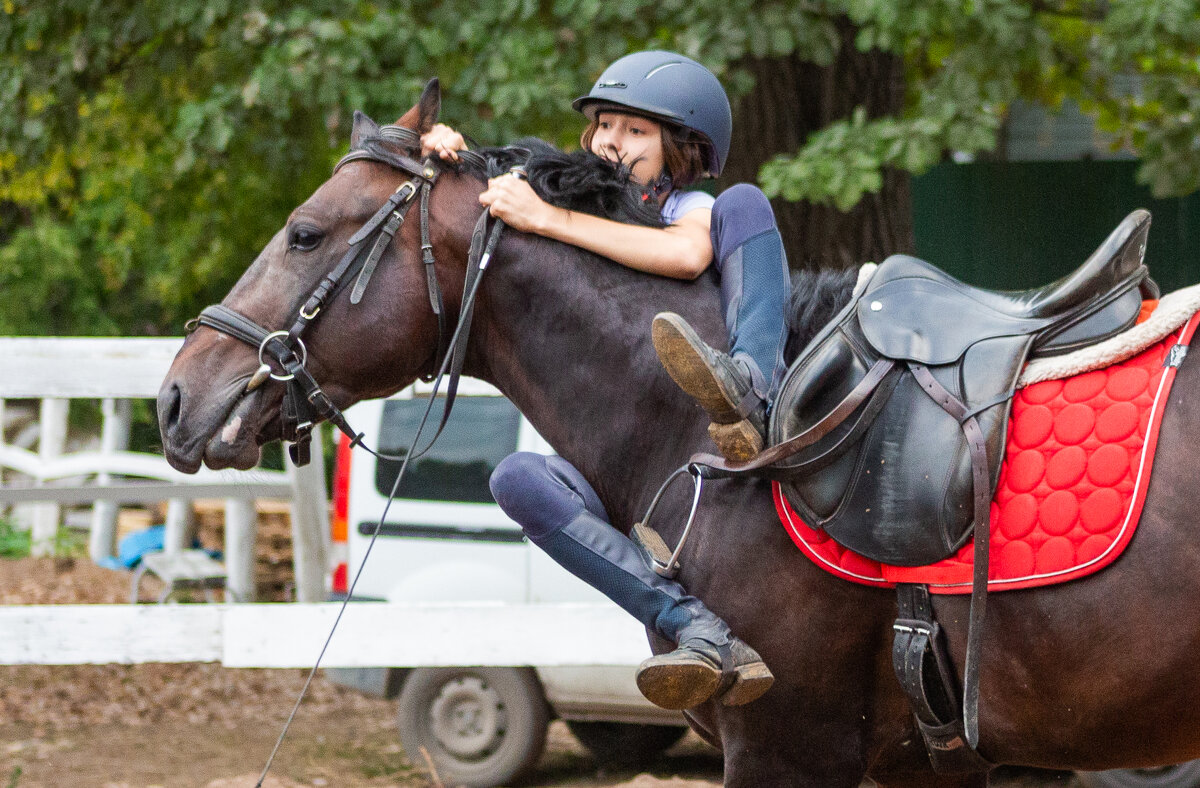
{"x": 583, "y": 181}
{"x": 578, "y": 181}
{"x": 817, "y": 296}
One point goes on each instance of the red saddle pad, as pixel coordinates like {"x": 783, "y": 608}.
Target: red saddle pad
{"x": 1071, "y": 488}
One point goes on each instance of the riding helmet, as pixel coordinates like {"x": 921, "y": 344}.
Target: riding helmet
{"x": 668, "y": 87}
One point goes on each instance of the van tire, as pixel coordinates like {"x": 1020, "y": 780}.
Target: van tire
{"x": 623, "y": 744}
{"x": 480, "y": 727}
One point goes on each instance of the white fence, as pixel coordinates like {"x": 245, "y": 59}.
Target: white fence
{"x": 371, "y": 634}
{"x": 115, "y": 370}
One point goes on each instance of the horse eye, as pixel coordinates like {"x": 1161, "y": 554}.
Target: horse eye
{"x": 305, "y": 239}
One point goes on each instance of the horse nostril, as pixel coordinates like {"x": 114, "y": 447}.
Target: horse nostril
{"x": 170, "y": 405}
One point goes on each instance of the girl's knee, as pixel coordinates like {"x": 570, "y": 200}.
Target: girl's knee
{"x": 533, "y": 490}
{"x": 740, "y": 212}
{"x": 743, "y": 201}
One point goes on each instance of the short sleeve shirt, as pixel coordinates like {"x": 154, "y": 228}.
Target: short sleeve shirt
{"x": 679, "y": 203}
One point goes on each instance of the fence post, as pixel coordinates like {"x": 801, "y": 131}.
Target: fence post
{"x": 52, "y": 441}
{"x": 3, "y": 439}
{"x": 114, "y": 436}
{"x": 241, "y": 526}
{"x": 310, "y": 522}
{"x": 177, "y": 536}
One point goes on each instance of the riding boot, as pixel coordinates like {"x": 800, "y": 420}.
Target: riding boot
{"x": 736, "y": 387}
{"x": 708, "y": 662}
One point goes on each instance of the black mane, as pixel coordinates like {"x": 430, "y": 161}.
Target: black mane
{"x": 817, "y": 296}
{"x": 577, "y": 181}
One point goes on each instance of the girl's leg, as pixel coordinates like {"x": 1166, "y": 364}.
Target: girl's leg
{"x": 561, "y": 514}
{"x": 736, "y": 387}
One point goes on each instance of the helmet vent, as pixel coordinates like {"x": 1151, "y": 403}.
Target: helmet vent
{"x": 660, "y": 68}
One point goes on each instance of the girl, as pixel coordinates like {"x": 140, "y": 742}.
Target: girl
{"x": 668, "y": 118}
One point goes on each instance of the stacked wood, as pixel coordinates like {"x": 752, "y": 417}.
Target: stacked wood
{"x": 274, "y": 576}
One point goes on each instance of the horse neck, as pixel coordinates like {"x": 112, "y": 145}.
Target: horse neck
{"x": 566, "y": 336}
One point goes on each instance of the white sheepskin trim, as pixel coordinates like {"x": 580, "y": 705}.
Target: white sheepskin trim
{"x": 1173, "y": 311}
{"x": 864, "y": 277}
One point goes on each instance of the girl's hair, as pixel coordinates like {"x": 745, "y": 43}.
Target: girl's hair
{"x": 683, "y": 152}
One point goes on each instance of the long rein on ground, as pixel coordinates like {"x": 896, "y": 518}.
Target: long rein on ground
{"x": 305, "y": 404}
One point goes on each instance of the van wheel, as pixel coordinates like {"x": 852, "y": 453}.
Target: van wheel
{"x": 1182, "y": 775}
{"x": 622, "y": 744}
{"x": 480, "y": 727}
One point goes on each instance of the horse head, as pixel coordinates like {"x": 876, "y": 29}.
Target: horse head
{"x": 215, "y": 406}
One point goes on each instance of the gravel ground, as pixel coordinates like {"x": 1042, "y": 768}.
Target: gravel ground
{"x": 204, "y": 726}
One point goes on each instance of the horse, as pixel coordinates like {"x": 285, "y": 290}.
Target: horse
{"x": 1094, "y": 674}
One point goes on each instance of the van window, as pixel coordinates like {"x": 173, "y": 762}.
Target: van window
{"x": 481, "y": 432}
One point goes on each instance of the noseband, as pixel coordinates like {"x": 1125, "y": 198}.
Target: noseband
{"x": 304, "y": 403}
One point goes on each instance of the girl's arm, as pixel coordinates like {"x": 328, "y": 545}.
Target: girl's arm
{"x": 682, "y": 250}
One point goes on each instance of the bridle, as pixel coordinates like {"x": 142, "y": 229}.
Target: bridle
{"x": 305, "y": 404}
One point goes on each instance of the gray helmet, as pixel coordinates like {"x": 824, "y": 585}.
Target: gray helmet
{"x": 669, "y": 87}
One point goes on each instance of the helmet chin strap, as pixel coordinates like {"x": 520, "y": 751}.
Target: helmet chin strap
{"x": 658, "y": 187}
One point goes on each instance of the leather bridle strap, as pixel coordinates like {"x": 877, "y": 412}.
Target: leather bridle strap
{"x": 435, "y": 292}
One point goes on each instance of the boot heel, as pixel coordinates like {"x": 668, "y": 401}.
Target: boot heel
{"x": 739, "y": 441}
{"x": 752, "y": 681}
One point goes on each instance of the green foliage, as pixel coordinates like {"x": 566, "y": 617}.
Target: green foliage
{"x": 1135, "y": 64}
{"x": 15, "y": 543}
{"x": 149, "y": 149}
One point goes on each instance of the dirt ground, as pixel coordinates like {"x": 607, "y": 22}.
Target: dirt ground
{"x": 204, "y": 726}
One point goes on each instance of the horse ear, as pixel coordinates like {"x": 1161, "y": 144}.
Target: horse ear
{"x": 363, "y": 128}
{"x": 422, "y": 116}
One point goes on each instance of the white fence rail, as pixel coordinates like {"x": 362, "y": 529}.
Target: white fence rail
{"x": 290, "y": 636}
{"x": 56, "y": 370}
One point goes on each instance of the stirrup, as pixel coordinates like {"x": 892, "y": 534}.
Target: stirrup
{"x": 663, "y": 561}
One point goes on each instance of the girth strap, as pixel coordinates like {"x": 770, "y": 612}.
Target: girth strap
{"x": 917, "y": 650}
{"x": 926, "y": 675}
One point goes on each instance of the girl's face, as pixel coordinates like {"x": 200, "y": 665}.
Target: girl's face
{"x": 632, "y": 140}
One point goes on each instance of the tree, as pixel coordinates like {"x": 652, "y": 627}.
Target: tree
{"x": 147, "y": 150}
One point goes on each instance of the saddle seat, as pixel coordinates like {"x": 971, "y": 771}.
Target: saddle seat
{"x": 917, "y": 312}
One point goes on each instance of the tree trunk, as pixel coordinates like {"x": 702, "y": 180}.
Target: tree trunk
{"x": 793, "y": 98}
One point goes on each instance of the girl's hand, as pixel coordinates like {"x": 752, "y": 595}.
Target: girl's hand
{"x": 444, "y": 141}
{"x": 514, "y": 200}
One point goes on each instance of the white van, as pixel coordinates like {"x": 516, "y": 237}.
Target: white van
{"x": 445, "y": 539}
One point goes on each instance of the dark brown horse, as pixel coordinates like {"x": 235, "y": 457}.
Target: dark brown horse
{"x": 1098, "y": 673}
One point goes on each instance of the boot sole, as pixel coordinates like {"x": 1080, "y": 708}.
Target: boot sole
{"x": 677, "y": 684}
{"x": 681, "y": 352}
{"x": 681, "y": 685}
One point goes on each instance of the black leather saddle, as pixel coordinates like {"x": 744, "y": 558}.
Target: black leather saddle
{"x": 893, "y": 479}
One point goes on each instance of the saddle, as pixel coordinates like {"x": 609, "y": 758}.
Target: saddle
{"x": 894, "y": 479}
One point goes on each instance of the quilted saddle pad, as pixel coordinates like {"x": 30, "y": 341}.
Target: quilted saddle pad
{"x": 1076, "y": 467}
